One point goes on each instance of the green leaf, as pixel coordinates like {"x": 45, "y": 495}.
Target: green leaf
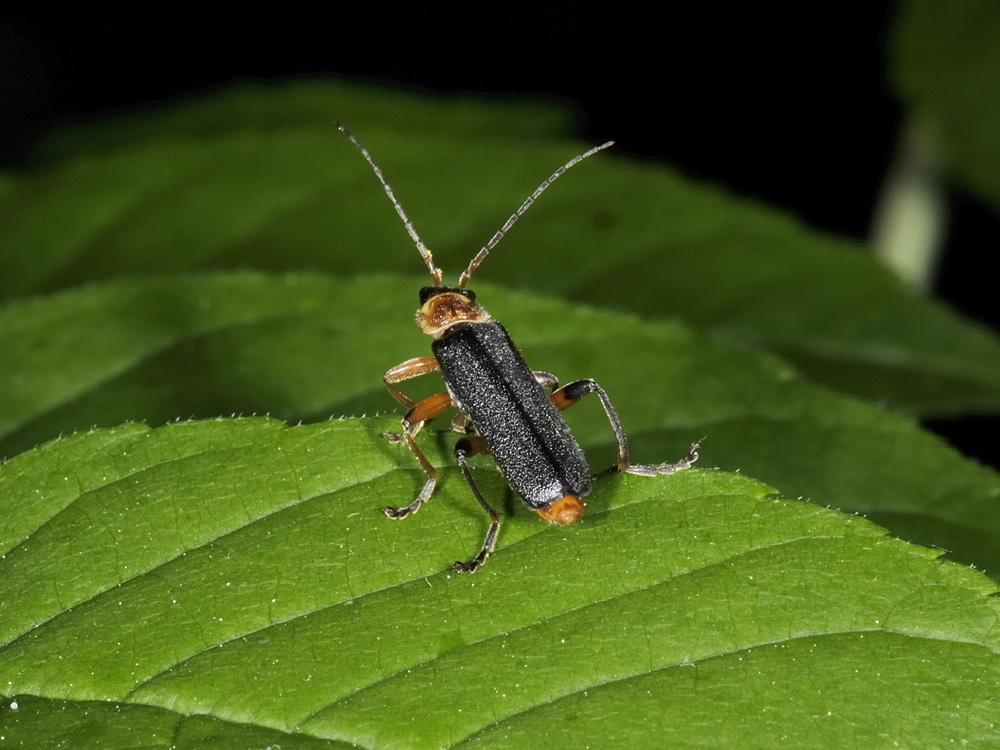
{"x": 308, "y": 345}
{"x": 945, "y": 57}
{"x": 305, "y": 105}
{"x": 232, "y": 583}
{"x": 233, "y": 580}
{"x": 256, "y": 177}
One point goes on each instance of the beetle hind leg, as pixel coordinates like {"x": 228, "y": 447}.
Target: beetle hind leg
{"x": 570, "y": 393}
{"x": 652, "y": 470}
{"x": 472, "y": 445}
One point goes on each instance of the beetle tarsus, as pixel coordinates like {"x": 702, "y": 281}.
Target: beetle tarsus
{"x": 652, "y": 471}
{"x": 471, "y": 565}
{"x": 396, "y": 513}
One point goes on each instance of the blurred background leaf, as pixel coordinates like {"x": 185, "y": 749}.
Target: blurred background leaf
{"x": 283, "y": 195}
{"x": 946, "y": 60}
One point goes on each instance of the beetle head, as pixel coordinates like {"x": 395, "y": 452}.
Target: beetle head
{"x": 445, "y": 306}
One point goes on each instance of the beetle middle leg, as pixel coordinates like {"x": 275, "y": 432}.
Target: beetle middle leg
{"x": 570, "y": 393}
{"x": 416, "y": 416}
{"x": 472, "y": 445}
{"x": 412, "y": 422}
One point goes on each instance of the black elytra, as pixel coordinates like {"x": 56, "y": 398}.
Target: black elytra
{"x": 491, "y": 384}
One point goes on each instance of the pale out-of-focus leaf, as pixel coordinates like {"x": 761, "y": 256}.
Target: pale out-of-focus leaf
{"x": 255, "y": 177}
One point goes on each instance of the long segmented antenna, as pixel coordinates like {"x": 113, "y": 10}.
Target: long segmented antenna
{"x": 481, "y": 255}
{"x": 424, "y": 252}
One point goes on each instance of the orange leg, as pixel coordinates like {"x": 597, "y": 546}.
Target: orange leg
{"x": 412, "y": 422}
{"x": 411, "y": 368}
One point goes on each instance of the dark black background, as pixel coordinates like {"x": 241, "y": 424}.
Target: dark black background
{"x": 793, "y": 105}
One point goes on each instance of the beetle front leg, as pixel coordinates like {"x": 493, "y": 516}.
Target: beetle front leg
{"x": 472, "y": 445}
{"x": 412, "y": 422}
{"x": 570, "y": 393}
{"x": 411, "y": 368}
